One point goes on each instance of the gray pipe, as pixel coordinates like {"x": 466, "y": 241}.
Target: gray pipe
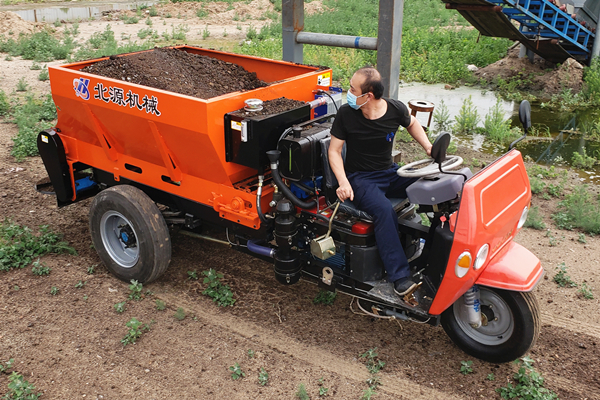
{"x": 325, "y": 39}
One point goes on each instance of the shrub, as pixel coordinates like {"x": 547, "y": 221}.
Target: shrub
{"x": 498, "y": 129}
{"x": 582, "y": 160}
{"x": 467, "y": 119}
{"x": 579, "y": 209}
{"x": 31, "y": 117}
{"x": 534, "y": 219}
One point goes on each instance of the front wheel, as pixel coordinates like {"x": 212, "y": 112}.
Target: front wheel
{"x": 130, "y": 234}
{"x": 511, "y": 325}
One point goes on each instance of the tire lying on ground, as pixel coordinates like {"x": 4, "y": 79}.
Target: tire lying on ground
{"x": 130, "y": 234}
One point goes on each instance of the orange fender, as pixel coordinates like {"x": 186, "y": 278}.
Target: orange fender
{"x": 517, "y": 269}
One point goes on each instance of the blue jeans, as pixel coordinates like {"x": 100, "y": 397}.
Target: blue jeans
{"x": 371, "y": 192}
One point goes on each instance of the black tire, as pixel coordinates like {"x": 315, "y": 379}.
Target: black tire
{"x": 507, "y": 338}
{"x": 130, "y": 234}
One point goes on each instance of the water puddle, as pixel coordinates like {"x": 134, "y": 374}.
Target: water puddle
{"x": 561, "y": 138}
{"x": 67, "y": 12}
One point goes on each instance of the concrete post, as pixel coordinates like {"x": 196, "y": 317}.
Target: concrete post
{"x": 389, "y": 44}
{"x": 292, "y": 20}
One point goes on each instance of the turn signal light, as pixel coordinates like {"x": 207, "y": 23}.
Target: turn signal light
{"x": 463, "y": 263}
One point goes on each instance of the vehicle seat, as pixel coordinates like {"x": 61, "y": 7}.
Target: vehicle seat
{"x": 330, "y": 185}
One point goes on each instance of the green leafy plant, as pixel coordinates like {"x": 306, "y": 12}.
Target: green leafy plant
{"x": 537, "y": 185}
{"x": 80, "y": 284}
{"x": 4, "y": 103}
{"x": 135, "y": 290}
{"x": 7, "y": 365}
{"x": 582, "y": 160}
{"x": 220, "y": 293}
{"x": 466, "y": 367}
{"x": 31, "y": 117}
{"x": 585, "y": 292}
{"x": 528, "y": 384}
{"x": 39, "y": 269}
{"x": 91, "y": 269}
{"x": 193, "y": 275}
{"x": 152, "y": 11}
{"x": 179, "y": 314}
{"x": 136, "y": 329}
{"x": 20, "y": 389}
{"x": 148, "y": 21}
{"x": 120, "y": 307}
{"x": 301, "y": 392}
{"x": 490, "y": 377}
{"x": 236, "y": 372}
{"x": 44, "y": 75}
{"x": 534, "y": 219}
{"x": 323, "y": 391}
{"x": 54, "y": 290}
{"x": 373, "y": 364}
{"x": 497, "y": 128}
{"x": 35, "y": 66}
{"x": 250, "y": 353}
{"x": 325, "y": 297}
{"x": 160, "y": 305}
{"x": 22, "y": 85}
{"x": 205, "y": 33}
{"x": 368, "y": 393}
{"x": 467, "y": 119}
{"x": 581, "y": 238}
{"x": 263, "y": 377}
{"x": 561, "y": 278}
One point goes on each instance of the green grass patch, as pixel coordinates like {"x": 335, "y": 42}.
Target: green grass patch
{"x": 31, "y": 117}
{"x": 527, "y": 384}
{"x": 39, "y": 46}
{"x": 534, "y": 219}
{"x": 325, "y": 297}
{"x": 19, "y": 246}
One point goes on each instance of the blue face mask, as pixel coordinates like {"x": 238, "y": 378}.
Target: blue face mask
{"x": 351, "y": 98}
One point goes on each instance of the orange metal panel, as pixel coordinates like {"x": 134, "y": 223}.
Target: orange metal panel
{"x": 107, "y": 123}
{"x": 491, "y": 204}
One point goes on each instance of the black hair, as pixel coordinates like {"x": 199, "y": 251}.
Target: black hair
{"x": 372, "y": 82}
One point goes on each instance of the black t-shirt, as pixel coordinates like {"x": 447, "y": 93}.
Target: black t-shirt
{"x": 369, "y": 141}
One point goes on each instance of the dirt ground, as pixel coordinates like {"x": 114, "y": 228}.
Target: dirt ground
{"x": 68, "y": 345}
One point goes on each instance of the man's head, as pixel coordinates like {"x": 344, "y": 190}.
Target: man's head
{"x": 367, "y": 80}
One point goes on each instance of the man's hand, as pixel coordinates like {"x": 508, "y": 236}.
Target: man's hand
{"x": 345, "y": 192}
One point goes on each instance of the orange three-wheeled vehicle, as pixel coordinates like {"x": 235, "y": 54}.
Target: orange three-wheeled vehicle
{"x": 165, "y": 159}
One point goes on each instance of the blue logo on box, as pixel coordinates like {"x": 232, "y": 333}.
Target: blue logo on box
{"x": 81, "y": 88}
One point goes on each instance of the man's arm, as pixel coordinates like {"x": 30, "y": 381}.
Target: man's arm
{"x": 344, "y": 191}
{"x": 418, "y": 133}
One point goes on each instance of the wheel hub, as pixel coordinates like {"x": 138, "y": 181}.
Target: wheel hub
{"x": 127, "y": 236}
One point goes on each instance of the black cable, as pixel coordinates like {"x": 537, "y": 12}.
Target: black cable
{"x": 334, "y": 103}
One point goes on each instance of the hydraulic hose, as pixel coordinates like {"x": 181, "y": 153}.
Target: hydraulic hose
{"x": 262, "y": 217}
{"x": 262, "y": 250}
{"x": 274, "y": 159}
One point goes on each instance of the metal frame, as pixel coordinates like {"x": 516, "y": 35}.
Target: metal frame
{"x": 388, "y": 42}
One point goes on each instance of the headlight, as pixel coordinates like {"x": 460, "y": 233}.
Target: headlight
{"x": 481, "y": 256}
{"x": 463, "y": 263}
{"x": 523, "y": 217}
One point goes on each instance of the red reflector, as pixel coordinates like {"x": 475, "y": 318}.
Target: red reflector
{"x": 362, "y": 228}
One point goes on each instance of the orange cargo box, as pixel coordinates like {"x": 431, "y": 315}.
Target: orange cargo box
{"x": 168, "y": 141}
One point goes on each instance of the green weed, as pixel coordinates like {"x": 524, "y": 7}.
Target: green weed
{"x": 301, "y": 392}
{"x": 148, "y": 21}
{"x": 147, "y": 32}
{"x": 591, "y": 78}
{"x": 57, "y": 23}
{"x": 323, "y": 391}
{"x": 152, "y": 11}
{"x": 44, "y": 75}
{"x": 135, "y": 290}
{"x": 104, "y": 44}
{"x": 39, "y": 269}
{"x": 130, "y": 20}
{"x": 4, "y": 104}
{"x": 536, "y": 184}
{"x": 325, "y": 297}
{"x": 581, "y": 238}
{"x": 466, "y": 367}
{"x": 534, "y": 219}
{"x": 497, "y": 128}
{"x": 201, "y": 13}
{"x": 220, "y": 293}
{"x": 555, "y": 190}
{"x": 205, "y": 33}
{"x": 250, "y": 353}
{"x": 179, "y": 314}
{"x": 582, "y": 160}
{"x": 263, "y": 377}
{"x": 542, "y": 172}
{"x": 528, "y": 384}
{"x": 54, "y": 290}
{"x": 7, "y": 365}
{"x": 20, "y": 389}
{"x": 31, "y": 117}
{"x": 441, "y": 117}
{"x": 136, "y": 329}
{"x": 22, "y": 85}
{"x": 225, "y": 34}
{"x": 490, "y": 377}
{"x": 585, "y": 292}
{"x": 580, "y": 209}
{"x": 80, "y": 284}
{"x": 120, "y": 307}
{"x": 368, "y": 393}
{"x": 561, "y": 278}
{"x": 91, "y": 269}
{"x": 236, "y": 372}
{"x": 193, "y": 275}
{"x": 467, "y": 119}
{"x": 373, "y": 364}
{"x": 40, "y": 46}
{"x": 160, "y": 305}
{"x": 19, "y": 246}
{"x": 35, "y": 66}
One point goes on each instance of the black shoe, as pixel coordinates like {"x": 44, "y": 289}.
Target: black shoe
{"x": 403, "y": 286}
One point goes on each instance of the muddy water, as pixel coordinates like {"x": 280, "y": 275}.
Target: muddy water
{"x": 67, "y": 12}
{"x": 556, "y": 147}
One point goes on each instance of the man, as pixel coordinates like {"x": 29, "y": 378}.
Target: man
{"x": 368, "y": 124}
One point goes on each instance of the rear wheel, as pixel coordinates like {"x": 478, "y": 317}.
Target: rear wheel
{"x": 130, "y": 234}
{"x": 511, "y": 325}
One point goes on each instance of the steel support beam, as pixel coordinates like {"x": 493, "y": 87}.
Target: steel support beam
{"x": 596, "y": 45}
{"x": 325, "y": 39}
{"x": 389, "y": 44}
{"x": 292, "y": 20}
